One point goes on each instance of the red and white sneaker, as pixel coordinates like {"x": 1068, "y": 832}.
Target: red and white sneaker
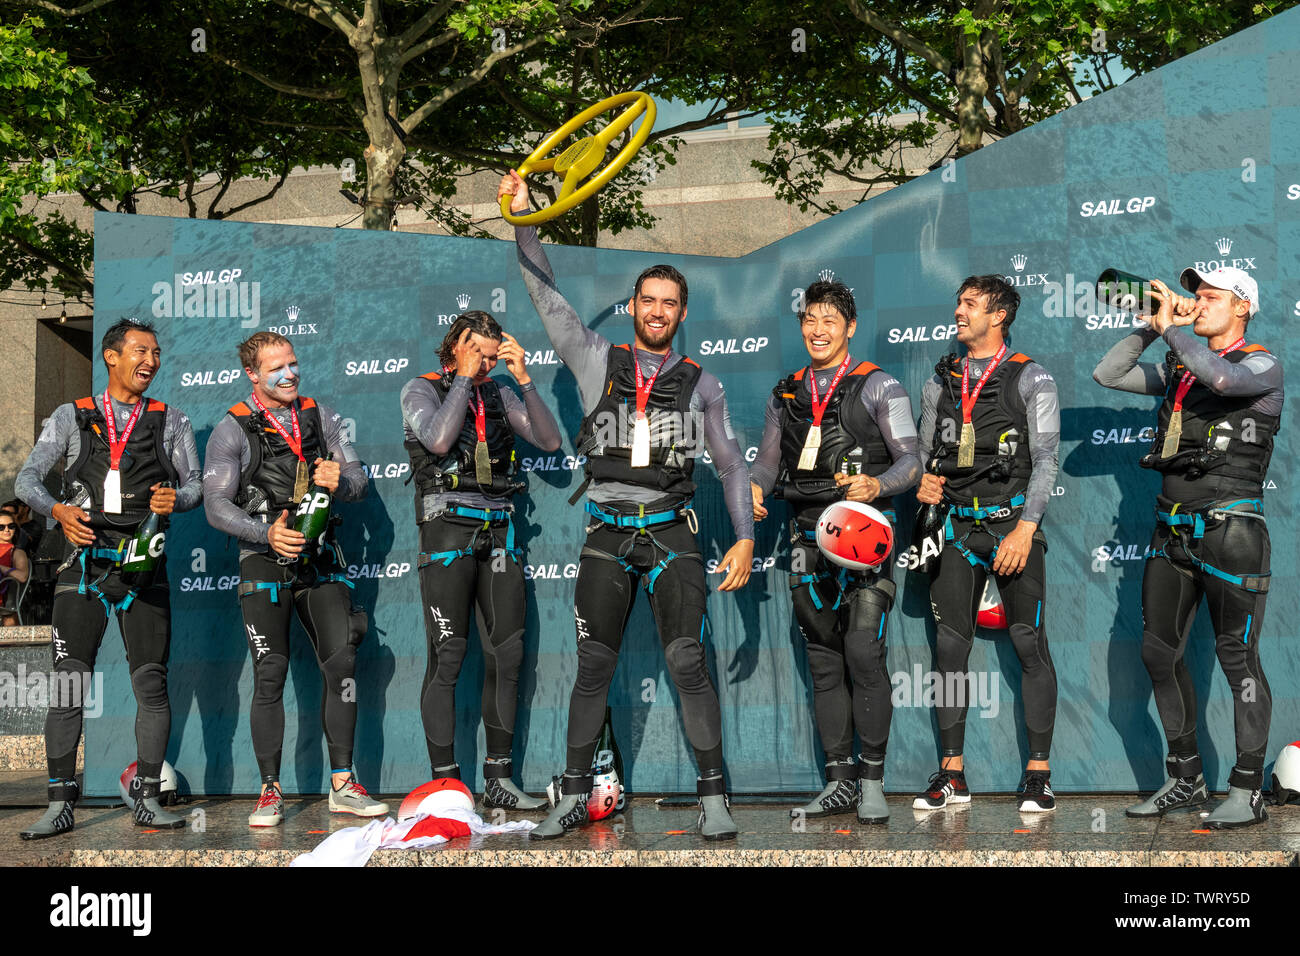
{"x": 270, "y": 809}
{"x": 352, "y": 798}
{"x": 946, "y": 787}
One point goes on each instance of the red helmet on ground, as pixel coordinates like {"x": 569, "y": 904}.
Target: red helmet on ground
{"x": 166, "y": 787}
{"x": 441, "y": 794}
{"x": 855, "y": 536}
{"x": 992, "y": 613}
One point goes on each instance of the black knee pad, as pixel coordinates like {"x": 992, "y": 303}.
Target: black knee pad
{"x": 685, "y": 659}
{"x": 70, "y": 685}
{"x": 596, "y": 664}
{"x": 1026, "y": 640}
{"x": 150, "y": 685}
{"x": 268, "y": 677}
{"x": 865, "y": 654}
{"x": 827, "y": 667}
{"x": 451, "y": 654}
{"x": 339, "y": 666}
{"x": 358, "y": 626}
{"x": 509, "y": 653}
{"x": 952, "y": 649}
{"x": 1157, "y": 656}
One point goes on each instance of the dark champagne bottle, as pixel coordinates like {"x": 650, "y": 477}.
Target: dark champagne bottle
{"x": 609, "y": 759}
{"x": 1126, "y": 292}
{"x": 313, "y": 516}
{"x": 927, "y": 533}
{"x": 143, "y": 552}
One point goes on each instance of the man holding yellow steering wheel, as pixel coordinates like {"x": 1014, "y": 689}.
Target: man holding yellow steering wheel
{"x": 649, "y": 413}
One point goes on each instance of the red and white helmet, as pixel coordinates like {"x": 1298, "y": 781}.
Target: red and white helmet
{"x": 855, "y": 536}
{"x": 1286, "y": 774}
{"x": 606, "y": 792}
{"x": 436, "y": 796}
{"x": 166, "y": 789}
{"x": 992, "y": 613}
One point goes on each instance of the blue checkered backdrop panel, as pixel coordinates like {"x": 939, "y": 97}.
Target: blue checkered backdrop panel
{"x": 1195, "y": 163}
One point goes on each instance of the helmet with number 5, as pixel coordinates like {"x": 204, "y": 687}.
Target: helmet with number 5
{"x": 855, "y": 535}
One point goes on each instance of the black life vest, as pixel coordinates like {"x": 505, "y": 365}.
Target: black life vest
{"x": 851, "y": 439}
{"x": 1221, "y": 435}
{"x": 144, "y": 463}
{"x": 454, "y": 470}
{"x": 272, "y": 466}
{"x": 1002, "y": 462}
{"x": 606, "y": 434}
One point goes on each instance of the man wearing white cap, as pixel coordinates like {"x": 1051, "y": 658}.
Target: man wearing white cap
{"x": 1222, "y": 404}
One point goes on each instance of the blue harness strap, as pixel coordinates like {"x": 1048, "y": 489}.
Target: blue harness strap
{"x": 478, "y": 514}
{"x": 252, "y": 587}
{"x": 92, "y": 587}
{"x": 639, "y": 521}
{"x": 978, "y": 515}
{"x": 1174, "y": 520}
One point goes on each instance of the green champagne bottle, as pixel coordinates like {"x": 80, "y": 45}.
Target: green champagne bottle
{"x": 608, "y": 758}
{"x": 312, "y": 518}
{"x": 143, "y": 552}
{"x": 1126, "y": 292}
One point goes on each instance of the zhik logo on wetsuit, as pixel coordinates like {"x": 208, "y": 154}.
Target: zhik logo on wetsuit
{"x": 260, "y": 647}
{"x": 444, "y": 625}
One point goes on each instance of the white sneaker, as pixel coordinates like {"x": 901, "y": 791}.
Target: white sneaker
{"x": 352, "y": 798}
{"x": 270, "y": 809}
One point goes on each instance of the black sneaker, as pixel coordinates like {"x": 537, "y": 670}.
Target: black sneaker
{"x": 946, "y": 787}
{"x": 1035, "y": 792}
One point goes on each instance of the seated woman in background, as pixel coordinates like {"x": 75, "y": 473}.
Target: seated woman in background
{"x": 14, "y": 570}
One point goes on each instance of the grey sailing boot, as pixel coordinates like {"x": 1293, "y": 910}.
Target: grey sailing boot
{"x": 570, "y": 810}
{"x": 57, "y": 818}
{"x": 1244, "y": 807}
{"x": 715, "y": 813}
{"x": 871, "y": 802}
{"x": 500, "y": 791}
{"x": 148, "y": 811}
{"x": 839, "y": 796}
{"x": 1184, "y": 789}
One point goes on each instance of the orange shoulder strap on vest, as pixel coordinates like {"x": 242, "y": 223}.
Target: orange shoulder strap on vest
{"x": 241, "y": 410}
{"x": 88, "y": 402}
{"x": 864, "y": 368}
{"x": 1253, "y": 347}
{"x": 432, "y": 376}
{"x": 305, "y": 403}
{"x": 155, "y": 406}
{"x": 1019, "y": 357}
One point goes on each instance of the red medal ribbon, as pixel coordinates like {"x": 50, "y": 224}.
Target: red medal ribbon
{"x": 1185, "y": 383}
{"x": 819, "y": 408}
{"x": 967, "y": 400}
{"x": 480, "y": 422}
{"x": 643, "y": 391}
{"x": 115, "y": 447}
{"x": 294, "y": 443}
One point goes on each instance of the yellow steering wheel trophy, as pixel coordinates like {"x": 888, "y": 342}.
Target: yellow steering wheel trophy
{"x": 582, "y": 158}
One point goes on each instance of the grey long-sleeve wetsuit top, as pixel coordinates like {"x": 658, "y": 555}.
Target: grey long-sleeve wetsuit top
{"x": 1258, "y": 374}
{"x": 437, "y": 424}
{"x": 585, "y": 353}
{"x": 1043, "y": 411}
{"x": 886, "y": 402}
{"x": 228, "y": 455}
{"x": 60, "y": 439}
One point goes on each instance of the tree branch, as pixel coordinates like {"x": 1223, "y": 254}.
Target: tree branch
{"x": 474, "y": 76}
{"x": 323, "y": 12}
{"x": 71, "y": 11}
{"x": 421, "y": 26}
{"x": 75, "y": 277}
{"x": 901, "y": 37}
{"x": 335, "y": 93}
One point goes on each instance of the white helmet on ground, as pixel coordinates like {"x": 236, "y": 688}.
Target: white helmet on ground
{"x": 166, "y": 790}
{"x": 1286, "y": 775}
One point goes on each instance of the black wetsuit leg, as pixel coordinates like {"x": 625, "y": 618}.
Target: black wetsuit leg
{"x": 495, "y": 584}
{"x": 1171, "y": 592}
{"x": 869, "y": 599}
{"x": 820, "y": 612}
{"x": 956, "y": 587}
{"x": 324, "y": 609}
{"x": 603, "y": 601}
{"x": 79, "y": 622}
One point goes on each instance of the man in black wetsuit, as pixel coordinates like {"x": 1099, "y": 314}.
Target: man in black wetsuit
{"x": 261, "y": 459}
{"x": 467, "y": 552}
{"x": 1214, "y": 438}
{"x": 990, "y": 428}
{"x": 649, "y": 413}
{"x": 864, "y": 450}
{"x": 118, "y": 450}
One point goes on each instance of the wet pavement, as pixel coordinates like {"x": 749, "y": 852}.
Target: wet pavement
{"x": 1083, "y": 831}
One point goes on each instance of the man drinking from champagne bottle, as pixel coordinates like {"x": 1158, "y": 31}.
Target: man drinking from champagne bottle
{"x": 273, "y": 465}
{"x": 121, "y": 454}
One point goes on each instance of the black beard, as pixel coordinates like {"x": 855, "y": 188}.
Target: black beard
{"x": 644, "y": 334}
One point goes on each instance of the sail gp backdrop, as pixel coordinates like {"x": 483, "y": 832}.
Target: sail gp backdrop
{"x": 1193, "y": 164}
